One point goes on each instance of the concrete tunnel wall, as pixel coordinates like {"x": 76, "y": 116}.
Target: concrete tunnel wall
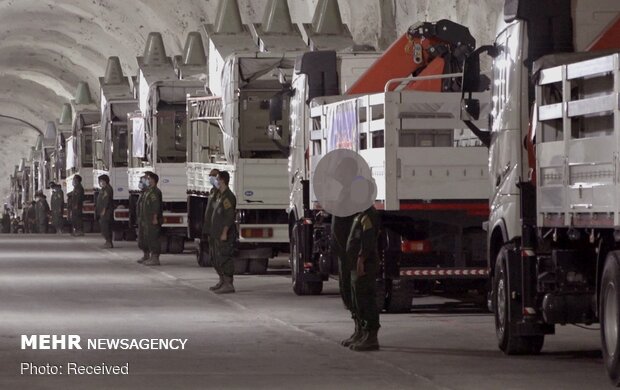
{"x": 47, "y": 47}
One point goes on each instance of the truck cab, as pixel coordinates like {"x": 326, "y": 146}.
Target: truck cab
{"x": 111, "y": 142}
{"x": 79, "y": 150}
{"x": 157, "y": 138}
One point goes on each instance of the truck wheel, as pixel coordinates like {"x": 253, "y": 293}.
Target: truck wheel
{"x": 130, "y": 235}
{"x": 258, "y": 266}
{"x": 610, "y": 316}
{"x": 163, "y": 244}
{"x": 399, "y": 296}
{"x": 176, "y": 244}
{"x": 241, "y": 266}
{"x": 301, "y": 287}
{"x": 117, "y": 235}
{"x": 89, "y": 226}
{"x": 509, "y": 343}
{"x": 202, "y": 256}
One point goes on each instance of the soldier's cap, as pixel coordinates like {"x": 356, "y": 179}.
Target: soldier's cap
{"x": 152, "y": 175}
{"x": 52, "y": 184}
{"x": 105, "y": 178}
{"x": 78, "y": 178}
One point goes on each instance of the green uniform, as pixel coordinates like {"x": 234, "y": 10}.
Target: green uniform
{"x": 141, "y": 231}
{"x": 150, "y": 208}
{"x": 31, "y": 217}
{"x": 224, "y": 210}
{"x": 105, "y": 211}
{"x": 77, "y": 205}
{"x": 58, "y": 206}
{"x": 363, "y": 242}
{"x": 341, "y": 227}
{"x": 206, "y": 226}
{"x": 42, "y": 210}
{"x": 6, "y": 222}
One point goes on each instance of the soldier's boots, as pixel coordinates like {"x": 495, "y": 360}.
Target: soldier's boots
{"x": 227, "y": 286}
{"x": 78, "y": 233}
{"x": 144, "y": 257}
{"x": 153, "y": 260}
{"x": 218, "y": 285}
{"x": 108, "y": 245}
{"x": 355, "y": 337}
{"x": 369, "y": 342}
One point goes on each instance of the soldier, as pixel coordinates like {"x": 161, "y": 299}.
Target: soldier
{"x": 363, "y": 253}
{"x": 142, "y": 244}
{"x": 206, "y": 225}
{"x": 77, "y": 204}
{"x": 151, "y": 218}
{"x": 223, "y": 232}
{"x": 15, "y": 228}
{"x": 31, "y": 216}
{"x": 104, "y": 211}
{"x": 6, "y": 220}
{"x": 340, "y": 230}
{"x": 42, "y": 210}
{"x": 58, "y": 206}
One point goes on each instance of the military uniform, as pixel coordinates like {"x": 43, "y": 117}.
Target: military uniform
{"x": 151, "y": 205}
{"x": 224, "y": 210}
{"x": 105, "y": 212}
{"x": 58, "y": 206}
{"x": 206, "y": 229}
{"x": 42, "y": 210}
{"x": 142, "y": 244}
{"x": 340, "y": 230}
{"x": 6, "y": 222}
{"x": 31, "y": 217}
{"x": 77, "y": 205}
{"x": 362, "y": 242}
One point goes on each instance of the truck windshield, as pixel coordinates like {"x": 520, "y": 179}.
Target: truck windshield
{"x": 119, "y": 145}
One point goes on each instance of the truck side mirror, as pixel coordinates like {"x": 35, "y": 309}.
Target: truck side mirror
{"x": 276, "y": 108}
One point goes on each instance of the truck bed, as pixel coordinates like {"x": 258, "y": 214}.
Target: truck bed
{"x": 419, "y": 151}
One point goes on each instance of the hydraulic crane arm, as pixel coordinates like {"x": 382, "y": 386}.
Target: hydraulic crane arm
{"x": 426, "y": 49}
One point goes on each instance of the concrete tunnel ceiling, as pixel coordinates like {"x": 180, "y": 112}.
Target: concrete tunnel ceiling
{"x": 47, "y": 47}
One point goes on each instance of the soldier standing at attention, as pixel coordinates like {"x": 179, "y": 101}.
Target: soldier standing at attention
{"x": 6, "y": 220}
{"x": 363, "y": 253}
{"x": 32, "y": 217}
{"x": 42, "y": 210}
{"x": 77, "y": 205}
{"x": 25, "y": 217}
{"x": 341, "y": 227}
{"x": 206, "y": 225}
{"x": 142, "y": 244}
{"x": 223, "y": 231}
{"x": 58, "y": 206}
{"x": 151, "y": 218}
{"x": 105, "y": 209}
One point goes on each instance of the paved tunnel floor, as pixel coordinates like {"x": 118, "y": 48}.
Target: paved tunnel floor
{"x": 263, "y": 337}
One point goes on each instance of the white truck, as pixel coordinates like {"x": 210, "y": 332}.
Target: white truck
{"x": 430, "y": 171}
{"x": 111, "y": 138}
{"x": 79, "y": 151}
{"x": 157, "y": 139}
{"x": 250, "y": 71}
{"x": 553, "y": 228}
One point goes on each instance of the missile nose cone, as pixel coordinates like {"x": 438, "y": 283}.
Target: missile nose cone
{"x": 82, "y": 94}
{"x": 194, "y": 51}
{"x": 113, "y": 72}
{"x": 66, "y": 116}
{"x": 154, "y": 52}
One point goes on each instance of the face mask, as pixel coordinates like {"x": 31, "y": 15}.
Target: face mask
{"x": 142, "y": 185}
{"x": 213, "y": 181}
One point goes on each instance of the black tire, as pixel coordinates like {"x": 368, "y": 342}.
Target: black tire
{"x": 176, "y": 244}
{"x": 399, "y": 296}
{"x": 241, "y": 266}
{"x": 258, "y": 266}
{"x": 163, "y": 244}
{"x": 130, "y": 235}
{"x": 117, "y": 235}
{"x": 610, "y": 316}
{"x": 301, "y": 287}
{"x": 202, "y": 255}
{"x": 89, "y": 226}
{"x": 507, "y": 342}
